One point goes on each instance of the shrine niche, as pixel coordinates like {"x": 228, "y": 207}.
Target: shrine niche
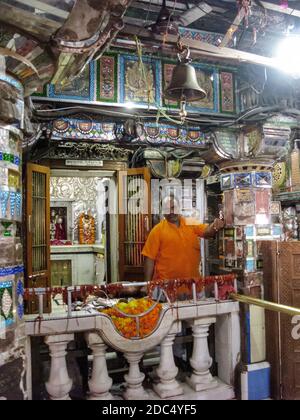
{"x": 58, "y": 224}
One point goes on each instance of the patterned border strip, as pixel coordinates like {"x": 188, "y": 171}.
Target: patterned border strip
{"x": 9, "y": 271}
{"x": 5, "y": 284}
{"x": 11, "y": 81}
{"x": 106, "y": 132}
{"x": 107, "y": 78}
{"x": 10, "y": 158}
{"x": 227, "y": 87}
{"x": 213, "y": 38}
{"x": 20, "y": 298}
{"x": 246, "y": 180}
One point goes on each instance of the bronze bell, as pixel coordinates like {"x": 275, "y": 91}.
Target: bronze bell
{"x": 184, "y": 85}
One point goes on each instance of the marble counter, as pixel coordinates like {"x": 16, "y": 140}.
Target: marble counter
{"x": 87, "y": 262}
{"x": 77, "y": 249}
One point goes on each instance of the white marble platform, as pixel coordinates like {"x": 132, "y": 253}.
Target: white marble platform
{"x": 77, "y": 249}
{"x": 101, "y": 333}
{"x": 220, "y": 393}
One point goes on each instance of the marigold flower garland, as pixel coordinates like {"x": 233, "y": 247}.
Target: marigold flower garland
{"x": 128, "y": 326}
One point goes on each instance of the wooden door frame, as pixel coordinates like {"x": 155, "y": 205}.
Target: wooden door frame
{"x": 135, "y": 271}
{"x": 30, "y": 169}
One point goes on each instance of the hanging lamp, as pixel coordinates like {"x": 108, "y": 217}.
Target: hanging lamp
{"x": 165, "y": 23}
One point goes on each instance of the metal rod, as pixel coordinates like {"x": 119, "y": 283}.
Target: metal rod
{"x": 235, "y": 285}
{"x": 41, "y": 305}
{"x": 270, "y": 306}
{"x": 216, "y": 291}
{"x": 194, "y": 293}
{"x": 69, "y": 303}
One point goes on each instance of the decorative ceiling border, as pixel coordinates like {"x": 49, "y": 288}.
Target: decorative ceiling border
{"x": 157, "y": 134}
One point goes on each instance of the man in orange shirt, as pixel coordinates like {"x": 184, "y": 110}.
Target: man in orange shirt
{"x": 172, "y": 250}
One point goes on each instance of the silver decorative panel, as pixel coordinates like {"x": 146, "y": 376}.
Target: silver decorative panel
{"x": 84, "y": 195}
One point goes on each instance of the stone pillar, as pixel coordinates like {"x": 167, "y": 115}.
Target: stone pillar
{"x": 100, "y": 383}
{"x": 249, "y": 218}
{"x": 167, "y": 370}
{"x": 134, "y": 379}
{"x": 12, "y": 336}
{"x": 201, "y": 361}
{"x": 228, "y": 344}
{"x": 59, "y": 384}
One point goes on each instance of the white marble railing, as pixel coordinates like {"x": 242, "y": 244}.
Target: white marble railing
{"x": 100, "y": 332}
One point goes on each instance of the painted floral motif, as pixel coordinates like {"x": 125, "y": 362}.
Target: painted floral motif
{"x": 227, "y": 92}
{"x": 10, "y": 204}
{"x": 139, "y": 82}
{"x": 20, "y": 299}
{"x": 6, "y": 304}
{"x": 107, "y": 78}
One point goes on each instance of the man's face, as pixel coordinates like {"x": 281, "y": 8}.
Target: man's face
{"x": 171, "y": 210}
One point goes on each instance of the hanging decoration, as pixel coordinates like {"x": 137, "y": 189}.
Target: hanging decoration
{"x": 246, "y": 6}
{"x": 284, "y": 4}
{"x": 165, "y": 23}
{"x": 182, "y": 289}
{"x": 113, "y": 290}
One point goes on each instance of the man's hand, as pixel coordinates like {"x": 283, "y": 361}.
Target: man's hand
{"x": 218, "y": 224}
{"x": 214, "y": 228}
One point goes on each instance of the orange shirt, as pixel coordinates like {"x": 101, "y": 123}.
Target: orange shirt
{"x": 175, "y": 250}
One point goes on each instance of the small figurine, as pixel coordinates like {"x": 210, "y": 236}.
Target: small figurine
{"x": 60, "y": 232}
{"x": 87, "y": 234}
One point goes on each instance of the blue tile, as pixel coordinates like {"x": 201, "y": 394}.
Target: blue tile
{"x": 259, "y": 384}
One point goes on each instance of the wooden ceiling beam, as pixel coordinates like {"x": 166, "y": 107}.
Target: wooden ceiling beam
{"x": 155, "y": 6}
{"x": 40, "y": 27}
{"x": 46, "y": 8}
{"x": 233, "y": 28}
{"x": 202, "y": 49}
{"x": 277, "y": 8}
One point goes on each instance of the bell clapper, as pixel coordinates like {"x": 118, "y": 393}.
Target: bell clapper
{"x": 183, "y": 111}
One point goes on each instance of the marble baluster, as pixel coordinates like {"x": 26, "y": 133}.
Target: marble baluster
{"x": 134, "y": 379}
{"x": 167, "y": 370}
{"x": 59, "y": 384}
{"x": 100, "y": 383}
{"x": 201, "y": 378}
